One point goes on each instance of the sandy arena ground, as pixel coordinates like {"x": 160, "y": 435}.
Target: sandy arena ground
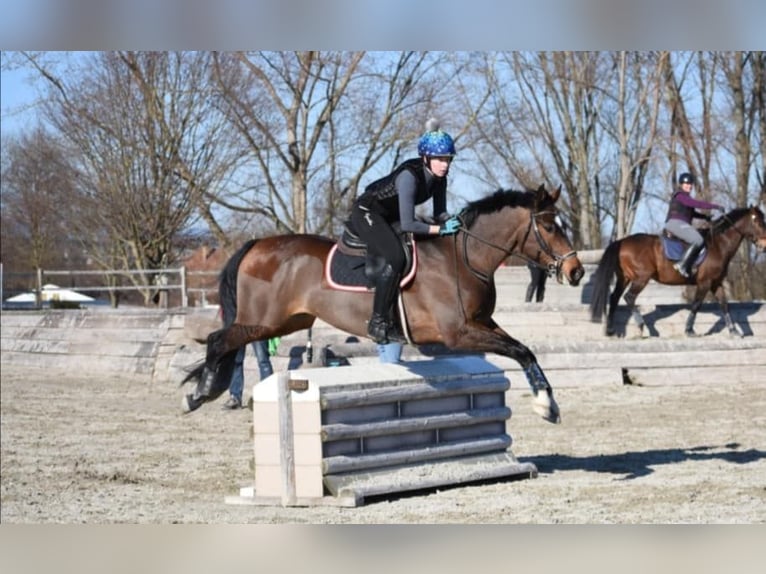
{"x": 86, "y": 449}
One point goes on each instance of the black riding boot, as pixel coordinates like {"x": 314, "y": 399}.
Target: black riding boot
{"x": 684, "y": 266}
{"x": 381, "y": 327}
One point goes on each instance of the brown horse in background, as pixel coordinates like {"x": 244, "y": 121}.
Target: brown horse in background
{"x": 636, "y": 259}
{"x": 276, "y": 285}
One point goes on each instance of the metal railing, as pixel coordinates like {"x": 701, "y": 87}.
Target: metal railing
{"x": 161, "y": 281}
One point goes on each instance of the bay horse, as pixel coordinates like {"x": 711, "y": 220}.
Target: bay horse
{"x": 636, "y": 259}
{"x": 277, "y": 285}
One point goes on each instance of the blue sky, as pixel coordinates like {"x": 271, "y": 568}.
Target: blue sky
{"x": 353, "y": 25}
{"x": 15, "y": 94}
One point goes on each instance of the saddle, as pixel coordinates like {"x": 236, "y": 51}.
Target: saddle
{"x": 673, "y": 247}
{"x": 350, "y": 267}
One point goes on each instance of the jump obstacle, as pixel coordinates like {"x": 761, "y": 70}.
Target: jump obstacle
{"x": 338, "y": 435}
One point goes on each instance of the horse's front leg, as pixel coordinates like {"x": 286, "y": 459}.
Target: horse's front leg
{"x": 544, "y": 404}
{"x": 720, "y": 295}
{"x": 477, "y": 337}
{"x": 699, "y": 297}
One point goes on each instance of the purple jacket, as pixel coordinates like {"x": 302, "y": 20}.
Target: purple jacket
{"x": 684, "y": 207}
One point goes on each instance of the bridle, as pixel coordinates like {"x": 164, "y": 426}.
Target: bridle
{"x": 552, "y": 268}
{"x": 732, "y": 224}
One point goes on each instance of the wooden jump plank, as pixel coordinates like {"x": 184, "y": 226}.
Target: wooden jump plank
{"x": 342, "y": 431}
{"x": 359, "y": 486}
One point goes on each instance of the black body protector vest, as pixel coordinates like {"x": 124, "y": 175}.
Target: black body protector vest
{"x": 381, "y": 196}
{"x": 677, "y": 210}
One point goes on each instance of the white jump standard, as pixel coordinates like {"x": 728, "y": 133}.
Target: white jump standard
{"x": 333, "y": 436}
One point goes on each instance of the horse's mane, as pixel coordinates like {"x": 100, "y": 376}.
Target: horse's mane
{"x": 726, "y": 221}
{"x": 495, "y": 202}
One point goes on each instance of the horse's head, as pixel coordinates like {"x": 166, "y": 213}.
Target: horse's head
{"x": 754, "y": 227}
{"x": 547, "y": 243}
{"x": 523, "y": 224}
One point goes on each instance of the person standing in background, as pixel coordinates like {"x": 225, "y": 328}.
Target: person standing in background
{"x": 538, "y": 276}
{"x": 261, "y": 349}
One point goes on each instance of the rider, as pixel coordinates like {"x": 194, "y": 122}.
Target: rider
{"x": 683, "y": 208}
{"x": 393, "y": 198}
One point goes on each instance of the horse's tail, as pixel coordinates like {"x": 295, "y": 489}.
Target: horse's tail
{"x": 602, "y": 279}
{"x": 213, "y": 377}
{"x": 227, "y": 286}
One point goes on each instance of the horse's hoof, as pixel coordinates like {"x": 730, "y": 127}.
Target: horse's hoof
{"x": 189, "y": 403}
{"x": 690, "y": 334}
{"x": 548, "y": 409}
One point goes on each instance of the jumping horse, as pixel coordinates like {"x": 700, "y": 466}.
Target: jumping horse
{"x": 635, "y": 259}
{"x": 277, "y": 285}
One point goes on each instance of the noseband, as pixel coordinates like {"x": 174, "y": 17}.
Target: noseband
{"x": 558, "y": 260}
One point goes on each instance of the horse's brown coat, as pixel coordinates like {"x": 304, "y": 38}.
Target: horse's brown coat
{"x": 280, "y": 287}
{"x": 636, "y": 259}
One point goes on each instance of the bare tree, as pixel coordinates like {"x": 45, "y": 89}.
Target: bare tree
{"x": 317, "y": 123}
{"x": 744, "y": 97}
{"x": 691, "y": 136}
{"x": 281, "y": 104}
{"x": 151, "y": 143}
{"x": 639, "y": 96}
{"x": 37, "y": 185}
{"x": 758, "y": 64}
{"x": 544, "y": 124}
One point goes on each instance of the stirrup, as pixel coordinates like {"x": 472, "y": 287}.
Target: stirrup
{"x": 384, "y": 332}
{"x": 377, "y": 329}
{"x": 394, "y": 335}
{"x": 681, "y": 268}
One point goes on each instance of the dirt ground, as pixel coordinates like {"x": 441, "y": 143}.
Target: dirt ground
{"x": 83, "y": 449}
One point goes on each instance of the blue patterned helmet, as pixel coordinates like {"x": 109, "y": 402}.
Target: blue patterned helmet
{"x": 436, "y": 142}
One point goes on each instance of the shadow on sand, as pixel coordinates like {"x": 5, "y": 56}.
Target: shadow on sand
{"x": 636, "y": 464}
{"x": 740, "y": 313}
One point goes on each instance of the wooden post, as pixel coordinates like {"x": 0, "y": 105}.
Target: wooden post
{"x": 39, "y": 290}
{"x": 163, "y": 292}
{"x": 184, "y": 293}
{"x": 287, "y": 450}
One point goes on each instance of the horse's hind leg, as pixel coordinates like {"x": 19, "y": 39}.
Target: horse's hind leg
{"x": 214, "y": 376}
{"x": 630, "y": 299}
{"x": 614, "y": 301}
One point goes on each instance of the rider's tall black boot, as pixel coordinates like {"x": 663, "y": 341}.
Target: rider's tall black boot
{"x": 381, "y": 328}
{"x": 684, "y": 266}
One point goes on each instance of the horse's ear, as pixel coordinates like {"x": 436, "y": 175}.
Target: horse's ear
{"x": 556, "y": 193}
{"x": 540, "y": 194}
